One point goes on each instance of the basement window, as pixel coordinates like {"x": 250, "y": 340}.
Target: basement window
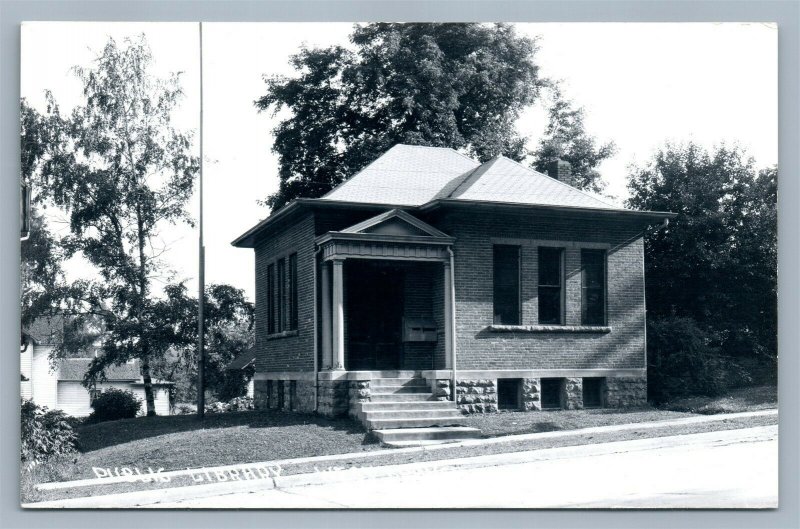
{"x": 593, "y": 392}
{"x": 508, "y": 393}
{"x": 551, "y": 393}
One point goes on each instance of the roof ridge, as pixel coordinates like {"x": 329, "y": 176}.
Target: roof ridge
{"x": 435, "y": 147}
{"x": 469, "y": 176}
{"x": 531, "y": 169}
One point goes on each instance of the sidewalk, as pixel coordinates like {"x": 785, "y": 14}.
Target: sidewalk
{"x": 271, "y": 477}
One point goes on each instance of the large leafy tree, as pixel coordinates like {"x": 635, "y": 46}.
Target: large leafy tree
{"x": 715, "y": 264}
{"x": 228, "y": 326}
{"x": 453, "y": 85}
{"x": 566, "y": 138}
{"x": 121, "y": 173}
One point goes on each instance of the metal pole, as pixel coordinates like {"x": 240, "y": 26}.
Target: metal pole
{"x": 201, "y": 353}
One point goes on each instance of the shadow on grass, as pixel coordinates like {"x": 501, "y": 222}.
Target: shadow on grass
{"x": 101, "y": 435}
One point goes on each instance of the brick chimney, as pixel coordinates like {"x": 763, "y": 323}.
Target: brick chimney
{"x": 560, "y": 169}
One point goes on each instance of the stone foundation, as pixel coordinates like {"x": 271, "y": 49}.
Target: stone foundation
{"x": 359, "y": 391}
{"x": 572, "y": 394}
{"x": 441, "y": 389}
{"x": 333, "y": 398}
{"x": 625, "y": 392}
{"x": 477, "y": 396}
{"x": 531, "y": 394}
{"x": 260, "y": 397}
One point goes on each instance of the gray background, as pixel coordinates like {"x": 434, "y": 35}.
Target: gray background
{"x": 785, "y": 13}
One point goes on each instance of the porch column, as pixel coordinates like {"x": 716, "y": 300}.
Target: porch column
{"x": 338, "y": 314}
{"x": 448, "y": 316}
{"x": 327, "y": 351}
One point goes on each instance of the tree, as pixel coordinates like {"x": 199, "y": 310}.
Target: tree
{"x": 715, "y": 264}
{"x": 449, "y": 85}
{"x": 121, "y": 172}
{"x": 41, "y": 275}
{"x": 566, "y": 138}
{"x": 229, "y": 319}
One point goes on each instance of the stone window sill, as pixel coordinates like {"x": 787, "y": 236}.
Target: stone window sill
{"x": 551, "y": 328}
{"x": 279, "y": 335}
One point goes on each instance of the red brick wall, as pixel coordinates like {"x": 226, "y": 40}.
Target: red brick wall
{"x": 478, "y": 348}
{"x": 288, "y": 353}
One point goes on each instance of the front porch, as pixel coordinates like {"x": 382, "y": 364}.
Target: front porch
{"x": 385, "y": 297}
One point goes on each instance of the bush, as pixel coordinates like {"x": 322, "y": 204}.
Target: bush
{"x": 113, "y": 404}
{"x": 45, "y": 434}
{"x": 684, "y": 360}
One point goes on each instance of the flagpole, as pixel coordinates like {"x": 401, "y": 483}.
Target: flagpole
{"x": 201, "y": 353}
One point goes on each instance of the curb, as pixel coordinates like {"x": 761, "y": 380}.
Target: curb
{"x": 153, "y": 498}
{"x": 57, "y": 485}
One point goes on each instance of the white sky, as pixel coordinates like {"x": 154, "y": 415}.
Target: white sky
{"x": 641, "y": 84}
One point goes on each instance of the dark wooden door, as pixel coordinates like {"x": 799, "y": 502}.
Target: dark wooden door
{"x": 374, "y": 315}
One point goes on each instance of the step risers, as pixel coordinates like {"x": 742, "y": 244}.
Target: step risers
{"x": 390, "y": 390}
{"x": 401, "y": 397}
{"x": 380, "y": 424}
{"x": 408, "y": 405}
{"x": 388, "y": 436}
{"x": 408, "y": 382}
{"x": 409, "y": 414}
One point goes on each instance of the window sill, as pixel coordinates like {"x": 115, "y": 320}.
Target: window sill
{"x": 279, "y": 335}
{"x": 551, "y": 328}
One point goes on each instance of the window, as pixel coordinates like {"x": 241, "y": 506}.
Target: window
{"x": 593, "y": 287}
{"x": 270, "y": 299}
{"x": 593, "y": 392}
{"x": 280, "y": 313}
{"x": 506, "y": 285}
{"x": 551, "y": 393}
{"x": 551, "y": 290}
{"x": 508, "y": 393}
{"x": 270, "y": 400}
{"x": 94, "y": 393}
{"x": 293, "y": 292}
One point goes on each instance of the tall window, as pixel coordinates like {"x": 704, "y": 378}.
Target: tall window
{"x": 293, "y": 291}
{"x": 593, "y": 287}
{"x": 270, "y": 299}
{"x": 506, "y": 285}
{"x": 551, "y": 285}
{"x": 281, "y": 304}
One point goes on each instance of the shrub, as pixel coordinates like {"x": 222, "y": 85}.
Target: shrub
{"x": 684, "y": 360}
{"x": 46, "y": 434}
{"x": 113, "y": 404}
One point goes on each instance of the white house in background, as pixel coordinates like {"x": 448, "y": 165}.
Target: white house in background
{"x": 59, "y": 387}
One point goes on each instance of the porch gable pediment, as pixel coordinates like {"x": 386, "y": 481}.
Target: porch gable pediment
{"x": 393, "y": 234}
{"x": 395, "y": 222}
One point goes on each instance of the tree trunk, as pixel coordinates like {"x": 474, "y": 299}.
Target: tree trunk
{"x": 148, "y": 389}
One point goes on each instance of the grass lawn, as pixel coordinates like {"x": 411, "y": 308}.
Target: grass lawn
{"x": 180, "y": 442}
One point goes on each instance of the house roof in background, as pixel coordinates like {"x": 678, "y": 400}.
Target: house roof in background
{"x": 76, "y": 368}
{"x": 406, "y": 175}
{"x": 243, "y": 360}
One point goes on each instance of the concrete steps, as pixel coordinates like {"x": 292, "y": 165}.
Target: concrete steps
{"x": 441, "y": 434}
{"x": 402, "y": 412}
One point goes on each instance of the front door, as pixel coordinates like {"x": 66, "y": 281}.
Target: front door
{"x": 374, "y": 313}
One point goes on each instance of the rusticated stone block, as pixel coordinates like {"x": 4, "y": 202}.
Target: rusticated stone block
{"x": 572, "y": 394}
{"x": 625, "y": 392}
{"x": 477, "y": 396}
{"x": 531, "y": 394}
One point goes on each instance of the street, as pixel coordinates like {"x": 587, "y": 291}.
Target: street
{"x": 724, "y": 469}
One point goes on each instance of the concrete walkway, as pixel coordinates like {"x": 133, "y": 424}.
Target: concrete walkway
{"x": 731, "y": 468}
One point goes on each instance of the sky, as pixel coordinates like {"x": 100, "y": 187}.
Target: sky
{"x": 641, "y": 84}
